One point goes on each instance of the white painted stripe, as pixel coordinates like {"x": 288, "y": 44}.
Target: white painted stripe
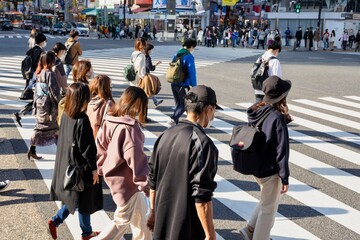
{"x": 10, "y": 36}
{"x": 19, "y": 36}
{"x": 46, "y": 167}
{"x": 12, "y": 103}
{"x": 324, "y": 116}
{"x": 341, "y": 101}
{"x": 243, "y": 205}
{"x": 329, "y": 107}
{"x": 313, "y": 142}
{"x": 326, "y": 171}
{"x": 10, "y": 93}
{"x": 6, "y": 85}
{"x": 324, "y": 204}
{"x": 345, "y": 136}
{"x": 231, "y": 196}
{"x": 2, "y": 36}
{"x": 353, "y": 97}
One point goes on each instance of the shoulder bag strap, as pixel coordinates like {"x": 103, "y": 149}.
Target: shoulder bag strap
{"x": 135, "y": 58}
{"x": 70, "y": 48}
{"x": 73, "y": 146}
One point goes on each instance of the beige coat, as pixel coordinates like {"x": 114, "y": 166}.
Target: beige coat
{"x": 75, "y": 50}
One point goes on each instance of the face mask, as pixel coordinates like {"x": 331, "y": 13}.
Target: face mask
{"x": 210, "y": 118}
{"x": 44, "y": 44}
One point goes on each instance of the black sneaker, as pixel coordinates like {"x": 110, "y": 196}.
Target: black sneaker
{"x": 18, "y": 119}
{"x": 4, "y": 184}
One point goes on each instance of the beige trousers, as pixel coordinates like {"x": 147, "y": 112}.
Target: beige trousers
{"x": 133, "y": 214}
{"x": 263, "y": 217}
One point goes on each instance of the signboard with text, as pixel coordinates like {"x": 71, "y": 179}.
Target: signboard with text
{"x": 161, "y": 4}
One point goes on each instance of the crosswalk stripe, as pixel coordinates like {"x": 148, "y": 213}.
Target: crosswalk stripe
{"x": 313, "y": 142}
{"x": 233, "y": 204}
{"x": 345, "y": 136}
{"x": 112, "y": 63}
{"x": 353, "y": 97}
{"x": 300, "y": 191}
{"x": 341, "y": 101}
{"x": 325, "y": 116}
{"x": 10, "y": 93}
{"x": 46, "y": 166}
{"x": 329, "y": 107}
{"x": 331, "y": 173}
{"x": 12, "y": 103}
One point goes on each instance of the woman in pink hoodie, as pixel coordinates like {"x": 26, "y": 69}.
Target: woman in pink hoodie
{"x": 123, "y": 164}
{"x": 101, "y": 100}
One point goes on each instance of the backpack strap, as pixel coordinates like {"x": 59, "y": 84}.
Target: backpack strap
{"x": 262, "y": 119}
{"x": 135, "y": 58}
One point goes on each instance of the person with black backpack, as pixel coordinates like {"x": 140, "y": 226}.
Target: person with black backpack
{"x": 179, "y": 88}
{"x": 273, "y": 172}
{"x": 28, "y": 67}
{"x": 272, "y": 67}
{"x": 73, "y": 51}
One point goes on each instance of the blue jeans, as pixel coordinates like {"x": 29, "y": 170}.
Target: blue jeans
{"x": 84, "y": 220}
{"x": 179, "y": 95}
{"x": 68, "y": 68}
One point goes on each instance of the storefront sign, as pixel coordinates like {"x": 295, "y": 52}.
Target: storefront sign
{"x": 229, "y": 2}
{"x": 161, "y": 4}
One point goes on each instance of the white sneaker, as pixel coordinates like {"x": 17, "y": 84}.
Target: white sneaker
{"x": 173, "y": 107}
{"x": 171, "y": 123}
{"x": 4, "y": 184}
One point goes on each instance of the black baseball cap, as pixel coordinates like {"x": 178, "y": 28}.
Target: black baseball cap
{"x": 205, "y": 94}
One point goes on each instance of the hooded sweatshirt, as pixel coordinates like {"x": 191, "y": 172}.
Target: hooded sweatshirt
{"x": 121, "y": 158}
{"x": 277, "y": 143}
{"x": 96, "y": 110}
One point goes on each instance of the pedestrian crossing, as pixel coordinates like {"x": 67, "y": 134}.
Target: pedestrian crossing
{"x": 323, "y": 198}
{"x": 26, "y": 36}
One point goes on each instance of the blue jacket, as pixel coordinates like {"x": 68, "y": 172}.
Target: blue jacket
{"x": 189, "y": 64}
{"x": 277, "y": 143}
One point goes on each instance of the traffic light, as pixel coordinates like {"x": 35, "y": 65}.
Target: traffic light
{"x": 298, "y": 8}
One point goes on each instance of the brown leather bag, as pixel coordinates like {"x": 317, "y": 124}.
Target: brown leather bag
{"x": 150, "y": 84}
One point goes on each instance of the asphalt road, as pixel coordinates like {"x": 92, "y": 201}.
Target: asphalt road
{"x": 325, "y": 139}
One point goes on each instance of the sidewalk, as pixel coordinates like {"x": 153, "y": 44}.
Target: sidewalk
{"x": 19, "y": 216}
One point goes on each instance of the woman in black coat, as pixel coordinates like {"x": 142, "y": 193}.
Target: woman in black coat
{"x": 75, "y": 127}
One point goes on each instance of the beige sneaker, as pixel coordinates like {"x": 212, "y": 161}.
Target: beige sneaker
{"x": 246, "y": 234}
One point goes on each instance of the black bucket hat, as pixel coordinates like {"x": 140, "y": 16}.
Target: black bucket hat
{"x": 275, "y": 89}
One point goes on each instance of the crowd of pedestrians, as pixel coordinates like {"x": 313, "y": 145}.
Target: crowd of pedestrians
{"x": 126, "y": 31}
{"x": 104, "y": 138}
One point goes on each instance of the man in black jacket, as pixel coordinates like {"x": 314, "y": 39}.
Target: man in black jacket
{"x": 35, "y": 52}
{"x": 298, "y": 36}
{"x": 182, "y": 170}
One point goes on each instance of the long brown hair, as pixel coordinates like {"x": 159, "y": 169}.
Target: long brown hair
{"x": 101, "y": 86}
{"x": 76, "y": 99}
{"x": 280, "y": 106}
{"x": 133, "y": 102}
{"x": 46, "y": 61}
{"x": 140, "y": 44}
{"x": 80, "y": 70}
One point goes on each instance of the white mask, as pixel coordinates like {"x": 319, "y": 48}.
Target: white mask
{"x": 44, "y": 44}
{"x": 210, "y": 118}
